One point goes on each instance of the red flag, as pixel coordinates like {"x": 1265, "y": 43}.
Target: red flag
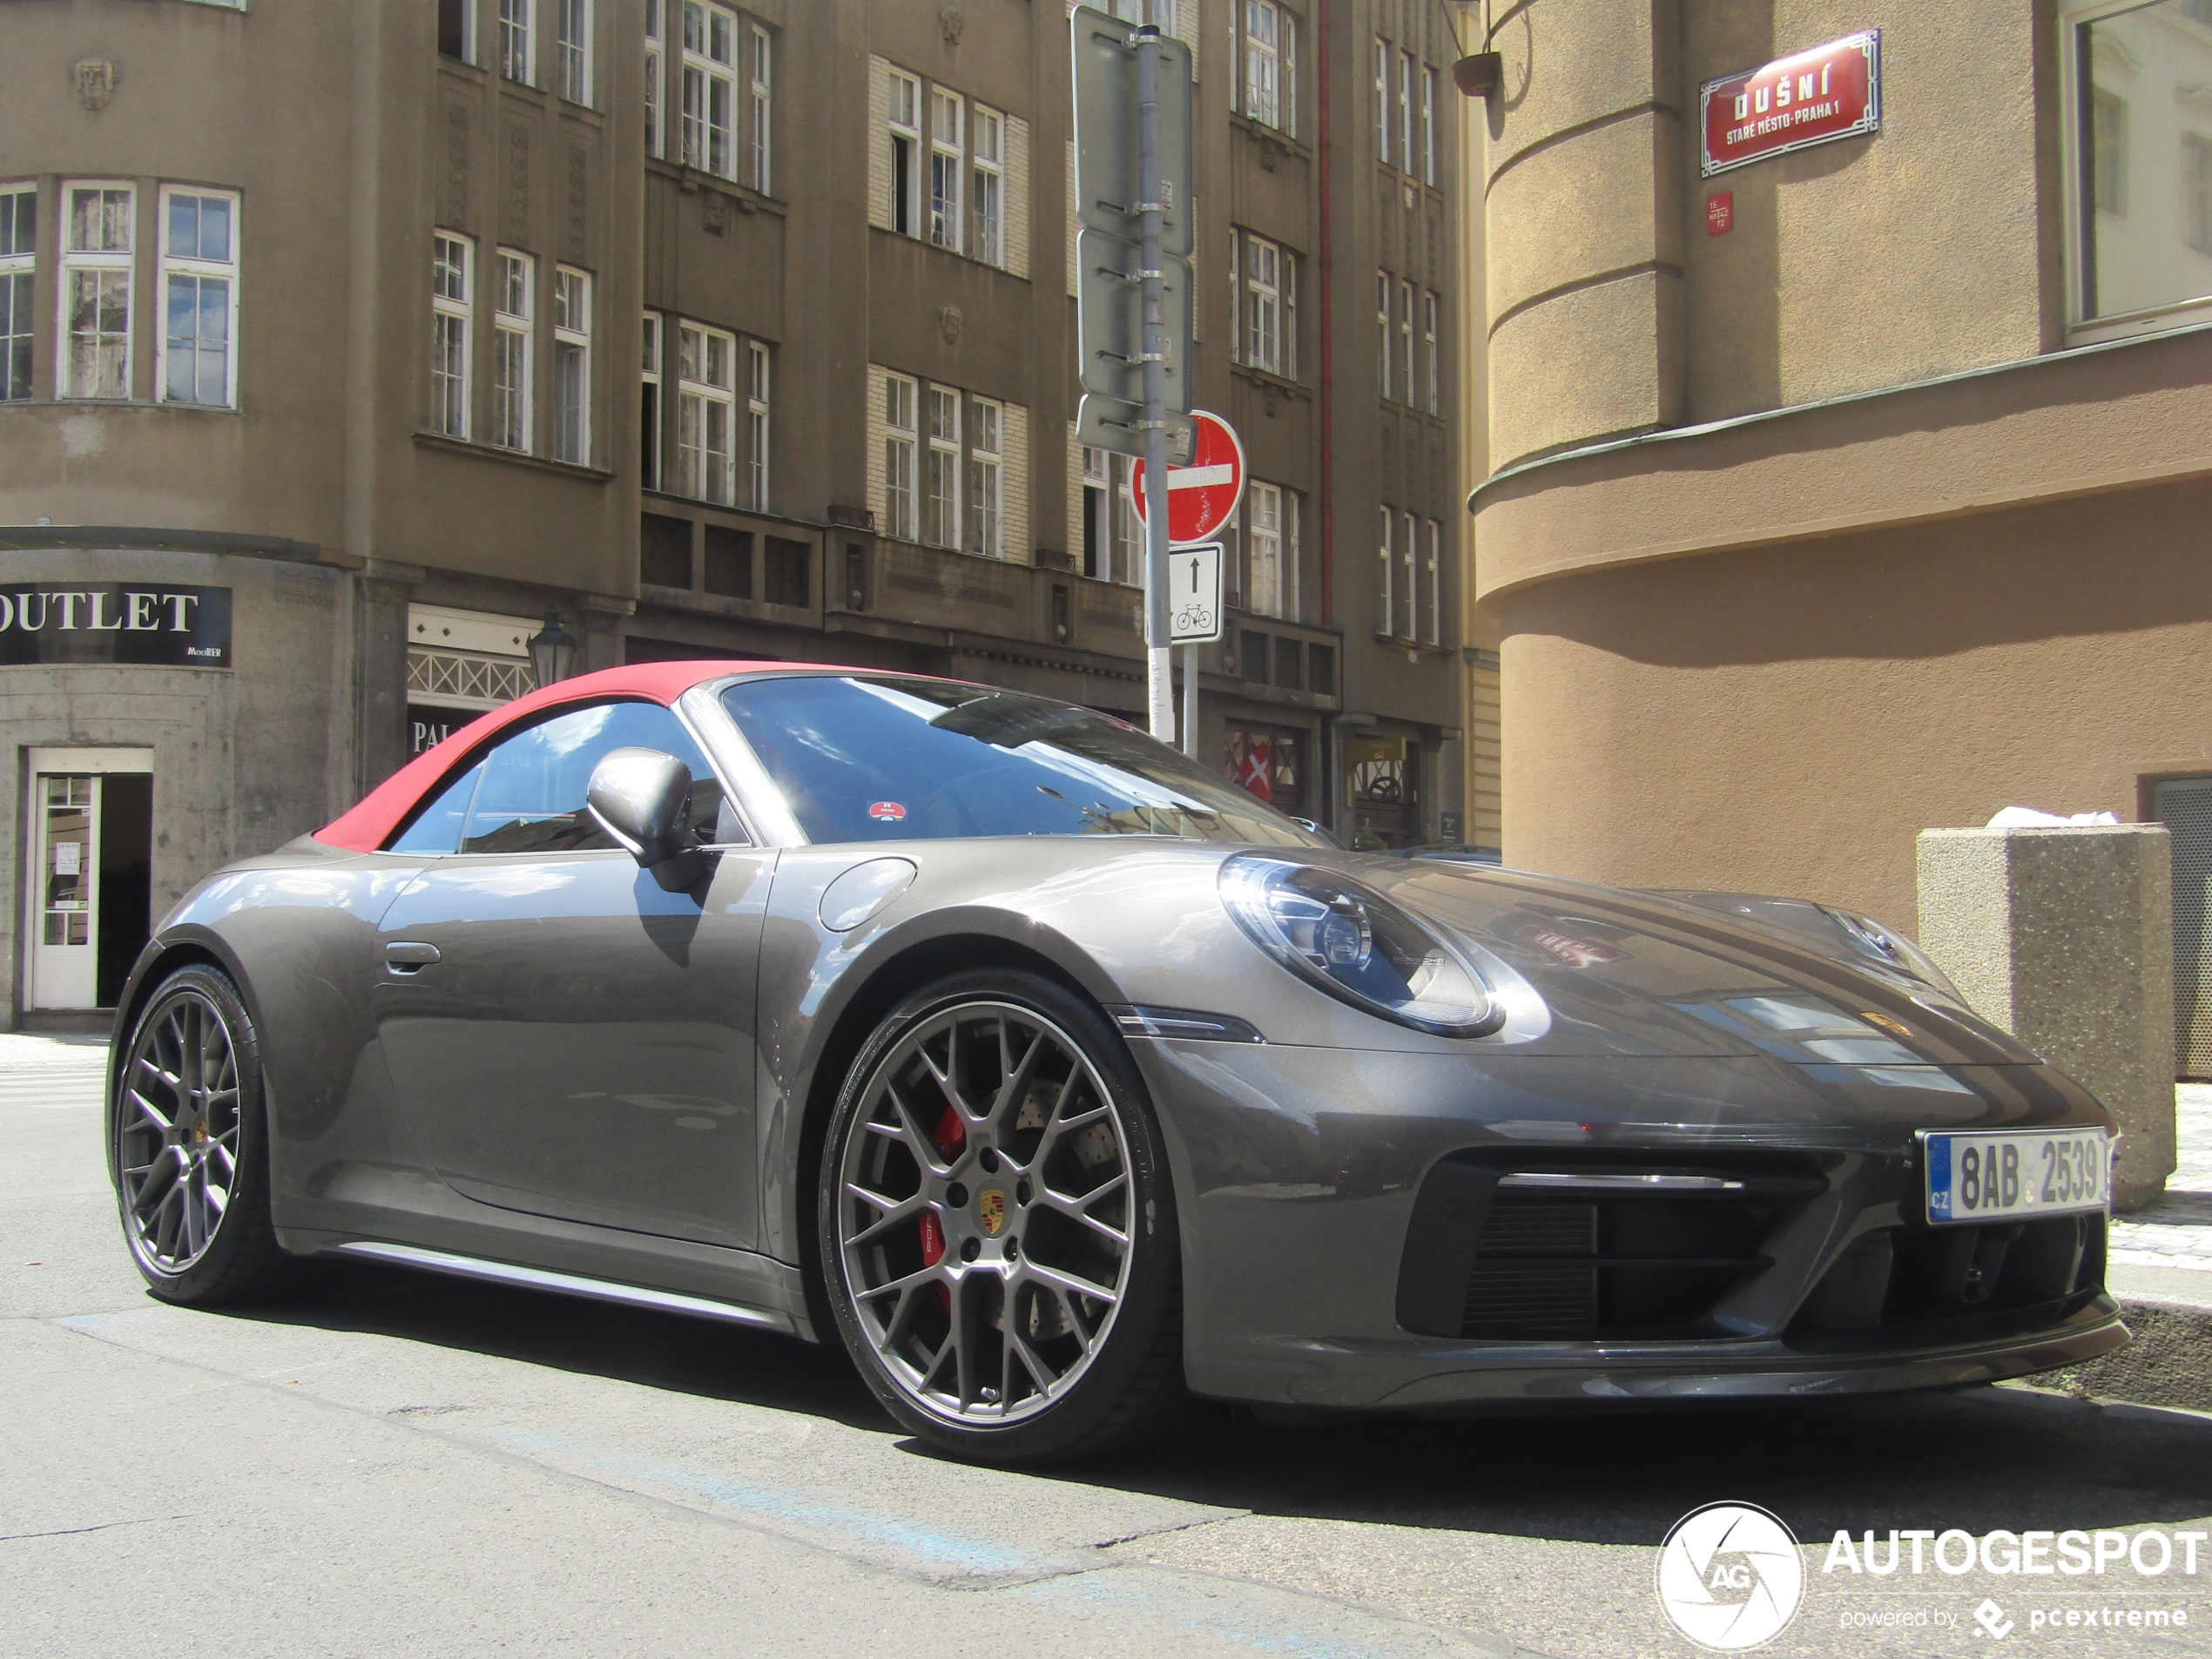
{"x": 1254, "y": 777}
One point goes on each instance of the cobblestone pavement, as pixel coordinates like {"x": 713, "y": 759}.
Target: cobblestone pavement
{"x": 2177, "y": 1231}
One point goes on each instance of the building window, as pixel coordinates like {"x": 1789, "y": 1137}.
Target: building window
{"x": 706, "y": 402}
{"x": 1428, "y": 125}
{"x": 450, "y": 305}
{"x": 510, "y": 351}
{"x": 1270, "y": 65}
{"x": 1408, "y": 589}
{"x": 96, "y": 291}
{"x": 945, "y": 112}
{"x": 990, "y": 186}
{"x": 906, "y": 151}
{"x": 1406, "y": 339}
{"x": 899, "y": 442}
{"x": 2141, "y": 184}
{"x": 940, "y": 485}
{"x": 1428, "y": 345}
{"x": 457, "y": 29}
{"x": 649, "y": 407}
{"x": 710, "y": 139}
{"x": 199, "y": 298}
{"x": 575, "y": 43}
{"x": 763, "y": 109}
{"x": 18, "y": 248}
{"x": 1405, "y": 110}
{"x": 1264, "y": 587}
{"x": 1385, "y": 565}
{"x": 1433, "y": 587}
{"x": 654, "y": 24}
{"x": 571, "y": 366}
{"x": 514, "y": 39}
{"x": 1113, "y": 538}
{"x": 1382, "y": 331}
{"x": 1263, "y": 305}
{"x": 1382, "y": 100}
{"x": 988, "y": 524}
{"x": 756, "y": 426}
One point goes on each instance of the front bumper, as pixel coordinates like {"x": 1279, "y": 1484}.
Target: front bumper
{"x": 1300, "y": 1177}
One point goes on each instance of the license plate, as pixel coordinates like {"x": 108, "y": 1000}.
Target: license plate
{"x": 1993, "y": 1177}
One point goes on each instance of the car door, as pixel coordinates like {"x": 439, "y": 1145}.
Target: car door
{"x": 563, "y": 1036}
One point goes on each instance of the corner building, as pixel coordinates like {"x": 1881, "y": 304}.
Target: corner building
{"x": 1860, "y": 489}
{"x": 708, "y": 330}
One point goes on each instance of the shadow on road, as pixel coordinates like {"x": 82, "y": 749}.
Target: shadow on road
{"x": 1980, "y": 1459}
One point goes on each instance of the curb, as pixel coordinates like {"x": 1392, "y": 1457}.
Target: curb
{"x": 2169, "y": 1363}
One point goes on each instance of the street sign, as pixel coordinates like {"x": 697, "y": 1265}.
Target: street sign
{"x": 1203, "y": 494}
{"x": 1108, "y": 423}
{"x": 1194, "y": 593}
{"x": 1109, "y": 319}
{"x": 1816, "y": 97}
{"x": 1107, "y": 192}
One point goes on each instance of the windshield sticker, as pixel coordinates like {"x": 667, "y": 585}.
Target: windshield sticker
{"x": 888, "y": 809}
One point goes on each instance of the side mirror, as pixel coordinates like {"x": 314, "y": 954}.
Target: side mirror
{"x": 643, "y": 798}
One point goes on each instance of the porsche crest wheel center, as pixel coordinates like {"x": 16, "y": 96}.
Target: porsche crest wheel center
{"x": 990, "y": 1211}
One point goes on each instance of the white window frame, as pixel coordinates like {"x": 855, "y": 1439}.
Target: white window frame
{"x": 942, "y": 482}
{"x": 1383, "y": 287}
{"x": 1406, "y": 342}
{"x": 703, "y": 475}
{"x": 1432, "y": 628}
{"x": 518, "y": 40}
{"x": 572, "y": 44}
{"x": 987, "y": 453}
{"x": 17, "y": 323}
{"x": 571, "y": 345}
{"x": 760, "y": 108}
{"x": 104, "y": 260}
{"x": 514, "y": 345}
{"x": 452, "y": 314}
{"x": 1126, "y": 538}
{"x": 1262, "y": 303}
{"x": 987, "y": 131}
{"x": 756, "y": 432}
{"x": 2082, "y": 329}
{"x": 1431, "y": 310}
{"x": 1264, "y": 24}
{"x": 902, "y": 457}
{"x": 468, "y": 31}
{"x": 1265, "y": 590}
{"x": 1382, "y": 100}
{"x": 1405, "y": 111}
{"x": 1428, "y": 125}
{"x": 904, "y": 128}
{"x": 698, "y": 129}
{"x": 655, "y": 77}
{"x": 190, "y": 266}
{"x": 1388, "y": 522}
{"x": 1408, "y": 559}
{"x": 948, "y": 109}
{"x": 651, "y": 410}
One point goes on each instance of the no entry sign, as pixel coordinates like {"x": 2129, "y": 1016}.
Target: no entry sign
{"x": 1831, "y": 91}
{"x": 1202, "y": 495}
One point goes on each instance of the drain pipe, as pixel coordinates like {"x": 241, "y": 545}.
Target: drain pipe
{"x": 1327, "y": 492}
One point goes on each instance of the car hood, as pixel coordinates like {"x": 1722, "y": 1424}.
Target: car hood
{"x": 1636, "y": 972}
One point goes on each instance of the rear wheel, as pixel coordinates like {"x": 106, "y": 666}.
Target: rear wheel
{"x": 190, "y": 1140}
{"x": 997, "y": 1225}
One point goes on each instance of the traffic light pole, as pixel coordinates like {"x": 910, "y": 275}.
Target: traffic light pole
{"x": 1159, "y": 686}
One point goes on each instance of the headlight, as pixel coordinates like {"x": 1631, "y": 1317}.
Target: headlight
{"x": 1355, "y": 945}
{"x": 1884, "y": 945}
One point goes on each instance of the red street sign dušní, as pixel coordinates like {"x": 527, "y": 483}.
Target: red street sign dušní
{"x": 1830, "y": 93}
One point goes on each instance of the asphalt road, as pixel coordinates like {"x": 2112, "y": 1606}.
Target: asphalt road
{"x": 402, "y": 1464}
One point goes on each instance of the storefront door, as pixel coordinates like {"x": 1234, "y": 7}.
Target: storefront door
{"x": 90, "y": 882}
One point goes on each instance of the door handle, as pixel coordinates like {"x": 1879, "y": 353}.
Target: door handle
{"x": 405, "y": 958}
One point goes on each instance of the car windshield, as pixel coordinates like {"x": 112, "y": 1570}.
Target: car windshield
{"x": 881, "y": 759}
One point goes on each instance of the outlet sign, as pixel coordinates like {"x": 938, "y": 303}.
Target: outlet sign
{"x": 1816, "y": 97}
{"x": 153, "y": 624}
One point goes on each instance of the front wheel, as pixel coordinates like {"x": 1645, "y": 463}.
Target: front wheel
{"x": 997, "y": 1225}
{"x": 189, "y": 1140}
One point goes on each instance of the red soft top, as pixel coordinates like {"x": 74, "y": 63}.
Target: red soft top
{"x": 370, "y": 823}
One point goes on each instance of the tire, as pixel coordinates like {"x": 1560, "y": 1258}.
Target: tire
{"x": 188, "y": 1136}
{"x": 1037, "y": 1324}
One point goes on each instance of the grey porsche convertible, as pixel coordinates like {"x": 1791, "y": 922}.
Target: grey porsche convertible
{"x": 1070, "y": 1086}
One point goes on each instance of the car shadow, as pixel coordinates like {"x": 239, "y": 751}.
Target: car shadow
{"x": 1977, "y": 1459}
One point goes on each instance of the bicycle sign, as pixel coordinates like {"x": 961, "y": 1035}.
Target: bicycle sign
{"x": 1194, "y": 594}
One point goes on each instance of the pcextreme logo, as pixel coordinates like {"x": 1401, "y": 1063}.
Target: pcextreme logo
{"x": 1730, "y": 1576}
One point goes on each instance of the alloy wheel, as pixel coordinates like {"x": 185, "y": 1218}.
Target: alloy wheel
{"x": 176, "y": 1133}
{"x": 983, "y": 1211}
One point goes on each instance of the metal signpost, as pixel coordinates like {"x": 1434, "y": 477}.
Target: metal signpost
{"x": 1203, "y": 494}
{"x": 1132, "y": 89}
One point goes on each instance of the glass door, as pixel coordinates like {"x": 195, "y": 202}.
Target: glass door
{"x": 65, "y": 940}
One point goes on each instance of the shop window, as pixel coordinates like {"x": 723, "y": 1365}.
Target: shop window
{"x": 1381, "y": 791}
{"x": 1264, "y": 762}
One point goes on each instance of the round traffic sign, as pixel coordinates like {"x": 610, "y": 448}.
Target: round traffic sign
{"x": 1202, "y": 495}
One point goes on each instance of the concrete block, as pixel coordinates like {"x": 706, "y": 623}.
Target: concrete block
{"x": 2065, "y": 937}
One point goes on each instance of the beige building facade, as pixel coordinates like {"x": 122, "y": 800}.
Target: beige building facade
{"x": 359, "y": 340}
{"x": 1868, "y": 497}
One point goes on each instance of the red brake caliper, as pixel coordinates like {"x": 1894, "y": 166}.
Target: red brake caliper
{"x": 951, "y": 1137}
